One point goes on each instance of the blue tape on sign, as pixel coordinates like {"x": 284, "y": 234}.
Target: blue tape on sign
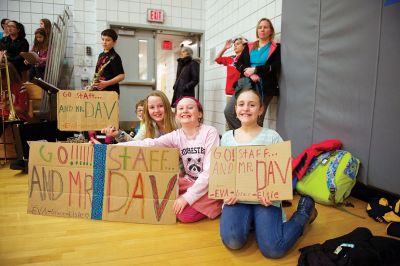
{"x": 99, "y": 166}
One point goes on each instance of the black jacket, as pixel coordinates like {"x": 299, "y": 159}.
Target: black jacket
{"x": 187, "y": 77}
{"x": 14, "y": 48}
{"x": 270, "y": 72}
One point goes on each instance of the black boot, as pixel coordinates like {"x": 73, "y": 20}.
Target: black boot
{"x": 19, "y": 164}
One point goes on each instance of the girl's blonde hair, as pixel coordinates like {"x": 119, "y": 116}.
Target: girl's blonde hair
{"x": 169, "y": 120}
{"x": 271, "y": 37}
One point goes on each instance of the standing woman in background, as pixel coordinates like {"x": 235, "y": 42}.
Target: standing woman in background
{"x": 265, "y": 61}
{"x": 187, "y": 75}
{"x": 46, "y": 25}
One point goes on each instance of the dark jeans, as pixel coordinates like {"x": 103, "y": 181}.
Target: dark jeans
{"x": 37, "y": 72}
{"x": 230, "y": 114}
{"x": 274, "y": 237}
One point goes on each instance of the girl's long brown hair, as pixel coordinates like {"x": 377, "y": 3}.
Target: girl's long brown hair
{"x": 169, "y": 120}
{"x": 47, "y": 26}
{"x": 41, "y": 46}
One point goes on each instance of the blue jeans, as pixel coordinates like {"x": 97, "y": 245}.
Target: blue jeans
{"x": 274, "y": 237}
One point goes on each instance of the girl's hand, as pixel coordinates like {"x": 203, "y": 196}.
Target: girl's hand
{"x": 228, "y": 44}
{"x": 179, "y": 204}
{"x": 255, "y": 78}
{"x": 94, "y": 141}
{"x": 249, "y": 71}
{"x": 26, "y": 62}
{"x": 264, "y": 201}
{"x": 110, "y": 131}
{"x": 231, "y": 201}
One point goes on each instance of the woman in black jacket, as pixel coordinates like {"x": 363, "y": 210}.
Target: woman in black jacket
{"x": 14, "y": 44}
{"x": 187, "y": 75}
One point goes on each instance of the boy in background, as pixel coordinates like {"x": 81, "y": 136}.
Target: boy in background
{"x": 109, "y": 69}
{"x": 113, "y": 73}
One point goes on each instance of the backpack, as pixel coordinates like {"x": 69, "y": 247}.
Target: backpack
{"x": 330, "y": 177}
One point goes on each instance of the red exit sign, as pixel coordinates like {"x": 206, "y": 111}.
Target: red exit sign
{"x": 155, "y": 15}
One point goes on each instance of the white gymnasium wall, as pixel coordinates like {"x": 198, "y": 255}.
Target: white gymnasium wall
{"x": 225, "y": 19}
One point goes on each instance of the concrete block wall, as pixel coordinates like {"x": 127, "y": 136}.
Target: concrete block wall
{"x": 219, "y": 26}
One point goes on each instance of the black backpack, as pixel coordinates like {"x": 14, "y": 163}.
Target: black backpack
{"x": 359, "y": 247}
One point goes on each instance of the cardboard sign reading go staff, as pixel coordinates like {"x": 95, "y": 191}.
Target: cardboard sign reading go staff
{"x": 247, "y": 172}
{"x": 80, "y": 110}
{"x": 103, "y": 182}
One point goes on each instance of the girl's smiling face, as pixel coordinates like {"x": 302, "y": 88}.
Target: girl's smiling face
{"x": 187, "y": 112}
{"x": 248, "y": 107}
{"x": 156, "y": 108}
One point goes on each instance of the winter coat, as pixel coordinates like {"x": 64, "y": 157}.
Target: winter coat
{"x": 187, "y": 77}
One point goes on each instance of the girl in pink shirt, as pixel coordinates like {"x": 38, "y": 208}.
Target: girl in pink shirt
{"x": 40, "y": 47}
{"x": 194, "y": 141}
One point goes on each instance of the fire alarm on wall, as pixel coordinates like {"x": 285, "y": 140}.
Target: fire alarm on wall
{"x": 88, "y": 50}
{"x": 167, "y": 45}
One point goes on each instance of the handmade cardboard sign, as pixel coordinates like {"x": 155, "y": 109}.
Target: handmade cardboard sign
{"x": 114, "y": 183}
{"x": 80, "y": 110}
{"x": 247, "y": 172}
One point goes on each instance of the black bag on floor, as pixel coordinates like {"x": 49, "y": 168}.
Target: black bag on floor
{"x": 359, "y": 247}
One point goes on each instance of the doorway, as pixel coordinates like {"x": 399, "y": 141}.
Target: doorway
{"x": 149, "y": 57}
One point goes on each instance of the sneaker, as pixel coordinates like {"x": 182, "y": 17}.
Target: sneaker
{"x": 307, "y": 206}
{"x": 19, "y": 164}
{"x": 313, "y": 215}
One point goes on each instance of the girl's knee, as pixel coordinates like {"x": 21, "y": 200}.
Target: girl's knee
{"x": 186, "y": 219}
{"x": 233, "y": 242}
{"x": 183, "y": 219}
{"x": 272, "y": 252}
{"x": 190, "y": 217}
